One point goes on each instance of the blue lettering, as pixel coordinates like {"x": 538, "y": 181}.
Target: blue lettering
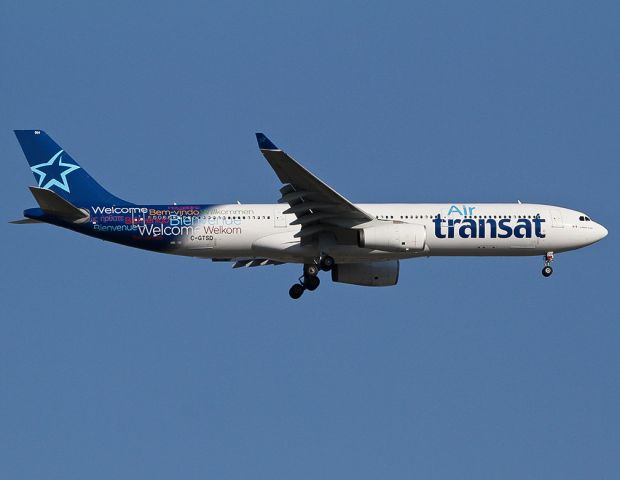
{"x": 487, "y": 227}
{"x": 437, "y": 222}
{"x": 523, "y": 229}
{"x": 454, "y": 209}
{"x": 504, "y": 227}
{"x": 481, "y": 228}
{"x": 538, "y": 227}
{"x": 493, "y": 224}
{"x": 451, "y": 224}
{"x": 466, "y": 225}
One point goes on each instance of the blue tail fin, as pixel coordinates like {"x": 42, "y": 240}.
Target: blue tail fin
{"x": 55, "y": 170}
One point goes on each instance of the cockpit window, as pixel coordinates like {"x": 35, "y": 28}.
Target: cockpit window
{"x": 582, "y": 218}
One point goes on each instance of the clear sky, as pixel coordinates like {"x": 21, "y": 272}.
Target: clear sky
{"x": 119, "y": 363}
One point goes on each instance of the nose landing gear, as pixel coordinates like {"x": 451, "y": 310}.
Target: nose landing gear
{"x": 310, "y": 280}
{"x": 547, "y": 270}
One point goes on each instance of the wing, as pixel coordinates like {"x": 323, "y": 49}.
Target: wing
{"x": 316, "y": 205}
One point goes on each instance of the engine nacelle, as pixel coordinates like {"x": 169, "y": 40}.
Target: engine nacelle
{"x": 395, "y": 237}
{"x": 371, "y": 274}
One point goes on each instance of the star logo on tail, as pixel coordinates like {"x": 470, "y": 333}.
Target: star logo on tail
{"x": 54, "y": 172}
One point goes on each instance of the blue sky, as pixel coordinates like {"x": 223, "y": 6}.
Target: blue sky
{"x": 119, "y": 363}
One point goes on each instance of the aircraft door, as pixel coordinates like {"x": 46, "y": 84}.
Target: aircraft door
{"x": 556, "y": 218}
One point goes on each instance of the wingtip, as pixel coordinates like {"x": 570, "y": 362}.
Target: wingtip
{"x": 264, "y": 143}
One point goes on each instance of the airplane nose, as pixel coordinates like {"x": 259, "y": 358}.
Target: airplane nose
{"x": 600, "y": 232}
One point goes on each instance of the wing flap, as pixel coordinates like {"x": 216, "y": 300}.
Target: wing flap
{"x": 254, "y": 262}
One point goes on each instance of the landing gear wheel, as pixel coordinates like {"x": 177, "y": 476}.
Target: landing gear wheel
{"x": 296, "y": 291}
{"x": 311, "y": 270}
{"x": 327, "y": 263}
{"x": 547, "y": 271}
{"x": 312, "y": 283}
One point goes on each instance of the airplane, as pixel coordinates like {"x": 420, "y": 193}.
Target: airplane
{"x": 312, "y": 224}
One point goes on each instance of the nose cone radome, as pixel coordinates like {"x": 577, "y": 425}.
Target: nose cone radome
{"x": 594, "y": 233}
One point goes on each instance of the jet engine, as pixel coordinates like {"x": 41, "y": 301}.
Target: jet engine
{"x": 371, "y": 274}
{"x": 395, "y": 237}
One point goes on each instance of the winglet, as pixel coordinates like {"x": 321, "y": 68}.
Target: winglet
{"x": 264, "y": 143}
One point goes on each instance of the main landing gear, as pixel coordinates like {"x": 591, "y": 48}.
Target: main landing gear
{"x": 310, "y": 280}
{"x": 547, "y": 270}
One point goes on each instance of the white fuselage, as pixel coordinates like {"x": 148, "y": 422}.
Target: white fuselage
{"x": 491, "y": 229}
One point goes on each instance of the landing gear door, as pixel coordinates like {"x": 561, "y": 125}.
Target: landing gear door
{"x": 556, "y": 218}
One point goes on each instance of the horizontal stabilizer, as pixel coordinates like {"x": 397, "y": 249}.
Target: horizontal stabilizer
{"x": 25, "y": 221}
{"x": 56, "y": 206}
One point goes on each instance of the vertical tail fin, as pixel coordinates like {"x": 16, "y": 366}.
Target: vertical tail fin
{"x": 55, "y": 170}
